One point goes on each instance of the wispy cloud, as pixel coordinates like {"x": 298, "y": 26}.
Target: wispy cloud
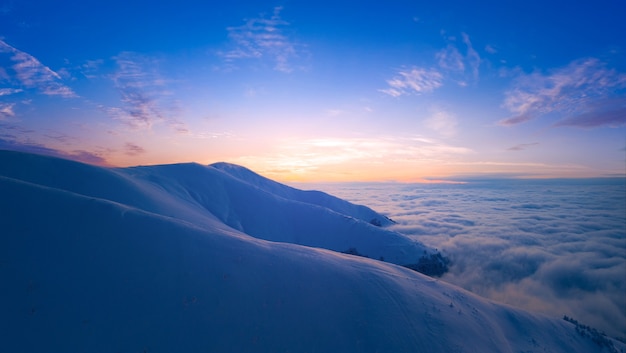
{"x": 450, "y": 59}
{"x": 461, "y": 67}
{"x": 522, "y": 146}
{"x": 11, "y": 131}
{"x": 340, "y": 155}
{"x": 9, "y": 91}
{"x": 264, "y": 38}
{"x": 60, "y": 137}
{"x": 442, "y": 121}
{"x": 90, "y": 68}
{"x": 451, "y": 64}
{"x": 138, "y": 89}
{"x": 31, "y": 73}
{"x": 335, "y": 112}
{"x": 490, "y": 49}
{"x": 584, "y": 93}
{"x": 4, "y": 76}
{"x": 472, "y": 57}
{"x": 131, "y": 149}
{"x": 415, "y": 80}
{"x": 209, "y": 135}
{"x": 6, "y": 110}
{"x": 604, "y": 112}
{"x": 19, "y": 144}
{"x": 144, "y": 94}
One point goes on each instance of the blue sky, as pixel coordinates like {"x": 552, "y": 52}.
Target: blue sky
{"x": 320, "y": 90}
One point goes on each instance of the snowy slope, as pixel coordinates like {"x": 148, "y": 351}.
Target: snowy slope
{"x": 238, "y": 198}
{"x": 309, "y": 196}
{"x": 105, "y": 183}
{"x": 266, "y": 212}
{"x": 82, "y": 273}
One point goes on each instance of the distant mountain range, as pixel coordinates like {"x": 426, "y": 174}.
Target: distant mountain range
{"x": 192, "y": 258}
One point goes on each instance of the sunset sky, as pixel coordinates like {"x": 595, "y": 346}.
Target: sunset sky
{"x": 320, "y": 90}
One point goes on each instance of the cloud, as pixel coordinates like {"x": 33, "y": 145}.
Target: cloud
{"x": 472, "y": 57}
{"x": 9, "y": 91}
{"x": 522, "y": 146}
{"x": 460, "y": 67}
{"x": 60, "y": 137}
{"x": 584, "y": 93}
{"x": 535, "y": 244}
{"x": 84, "y": 156}
{"x": 442, "y": 122}
{"x": 211, "y": 135}
{"x": 138, "y": 89}
{"x": 31, "y": 73}
{"x": 415, "y": 80}
{"x": 6, "y": 110}
{"x": 264, "y": 39}
{"x": 10, "y": 131}
{"x": 452, "y": 65}
{"x": 490, "y": 49}
{"x": 4, "y": 76}
{"x": 337, "y": 157}
{"x": 131, "y": 149}
{"x": 450, "y": 59}
{"x": 90, "y": 68}
{"x": 146, "y": 100}
{"x": 605, "y": 112}
{"x": 335, "y": 112}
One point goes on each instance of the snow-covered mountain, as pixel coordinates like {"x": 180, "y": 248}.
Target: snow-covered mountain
{"x": 159, "y": 259}
{"x": 236, "y": 196}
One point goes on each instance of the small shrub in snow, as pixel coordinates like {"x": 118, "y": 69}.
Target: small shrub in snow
{"x": 596, "y": 336}
{"x": 434, "y": 265}
{"x": 376, "y": 222}
{"x": 353, "y": 251}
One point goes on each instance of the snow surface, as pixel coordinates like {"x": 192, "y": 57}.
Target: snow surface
{"x": 109, "y": 260}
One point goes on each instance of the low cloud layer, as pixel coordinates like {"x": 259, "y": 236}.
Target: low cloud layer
{"x": 556, "y": 247}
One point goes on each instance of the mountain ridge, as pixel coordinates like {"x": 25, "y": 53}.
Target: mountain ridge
{"x": 308, "y": 196}
{"x": 201, "y": 194}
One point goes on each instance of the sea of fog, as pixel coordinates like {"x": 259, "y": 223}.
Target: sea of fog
{"x": 551, "y": 246}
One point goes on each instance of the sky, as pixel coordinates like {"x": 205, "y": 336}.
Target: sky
{"x": 320, "y": 91}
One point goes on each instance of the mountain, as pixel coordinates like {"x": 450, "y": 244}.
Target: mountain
{"x": 237, "y": 197}
{"x": 107, "y": 260}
